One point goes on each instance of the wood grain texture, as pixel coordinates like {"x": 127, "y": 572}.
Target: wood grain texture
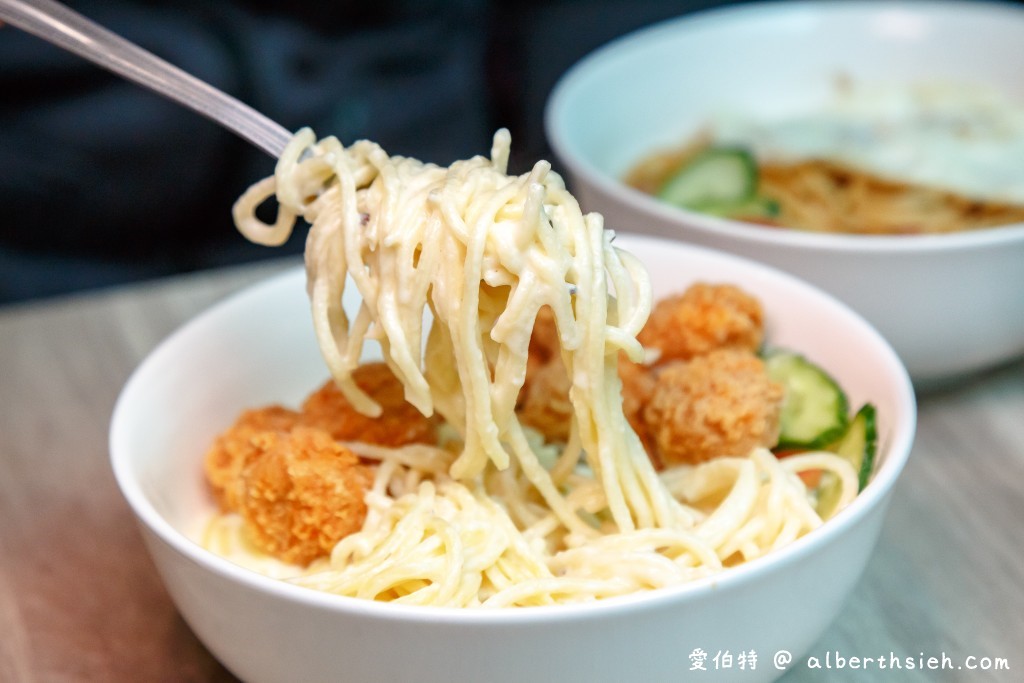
{"x": 81, "y": 601}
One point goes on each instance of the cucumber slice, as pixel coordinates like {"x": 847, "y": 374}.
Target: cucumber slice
{"x": 858, "y": 445}
{"x": 754, "y": 208}
{"x": 814, "y": 407}
{"x": 718, "y": 176}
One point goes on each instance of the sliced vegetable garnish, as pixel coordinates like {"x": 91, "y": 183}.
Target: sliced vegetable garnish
{"x": 755, "y": 208}
{"x": 827, "y": 495}
{"x": 859, "y": 443}
{"x": 814, "y": 407}
{"x": 717, "y": 177}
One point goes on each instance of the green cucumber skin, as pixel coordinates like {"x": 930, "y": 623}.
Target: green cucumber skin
{"x": 860, "y": 443}
{"x": 757, "y": 207}
{"x": 815, "y": 409}
{"x": 717, "y": 177}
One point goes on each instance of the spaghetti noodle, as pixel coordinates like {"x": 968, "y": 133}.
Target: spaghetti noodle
{"x": 494, "y": 516}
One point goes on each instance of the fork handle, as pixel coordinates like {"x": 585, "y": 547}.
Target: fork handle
{"x": 65, "y": 28}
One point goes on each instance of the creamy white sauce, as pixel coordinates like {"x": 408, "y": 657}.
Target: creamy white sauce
{"x": 965, "y": 139}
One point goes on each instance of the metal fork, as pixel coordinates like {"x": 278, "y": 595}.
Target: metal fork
{"x": 69, "y": 30}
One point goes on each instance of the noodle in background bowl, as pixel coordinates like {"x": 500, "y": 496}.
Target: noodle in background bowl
{"x": 949, "y": 304}
{"x": 257, "y": 347}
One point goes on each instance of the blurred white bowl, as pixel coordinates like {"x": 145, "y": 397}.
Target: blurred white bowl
{"x": 257, "y": 348}
{"x": 949, "y": 304}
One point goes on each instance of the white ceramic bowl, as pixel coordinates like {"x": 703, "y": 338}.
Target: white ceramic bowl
{"x": 949, "y": 304}
{"x": 257, "y": 347}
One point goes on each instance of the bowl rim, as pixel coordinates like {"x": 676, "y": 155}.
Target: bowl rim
{"x": 874, "y": 495}
{"x": 557, "y": 126}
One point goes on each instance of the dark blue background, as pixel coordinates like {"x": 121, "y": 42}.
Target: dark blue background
{"x": 103, "y": 182}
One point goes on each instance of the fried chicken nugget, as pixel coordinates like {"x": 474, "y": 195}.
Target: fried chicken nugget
{"x": 546, "y": 407}
{"x": 638, "y": 384}
{"x": 303, "y": 494}
{"x": 231, "y": 450}
{"x": 545, "y": 379}
{"x": 718, "y": 404}
{"x": 400, "y": 423}
{"x": 703, "y": 318}
{"x": 544, "y": 401}
{"x": 544, "y": 343}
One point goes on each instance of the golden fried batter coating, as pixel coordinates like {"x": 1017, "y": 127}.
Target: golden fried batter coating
{"x": 298, "y": 489}
{"x": 718, "y": 404}
{"x": 637, "y": 388}
{"x": 544, "y": 343}
{"x": 544, "y": 401}
{"x": 545, "y": 405}
{"x": 703, "y": 318}
{"x": 230, "y": 451}
{"x": 302, "y": 494}
{"x": 399, "y": 423}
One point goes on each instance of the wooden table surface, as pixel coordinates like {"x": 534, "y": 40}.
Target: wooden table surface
{"x": 80, "y": 599}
